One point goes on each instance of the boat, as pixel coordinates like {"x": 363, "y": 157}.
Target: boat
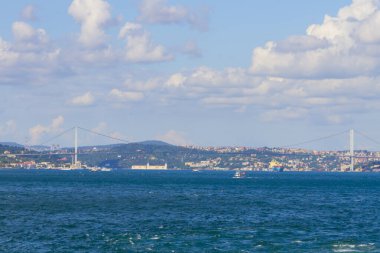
{"x": 95, "y": 169}
{"x": 275, "y": 166}
{"x": 239, "y": 174}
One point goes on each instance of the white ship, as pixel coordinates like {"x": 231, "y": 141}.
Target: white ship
{"x": 239, "y": 174}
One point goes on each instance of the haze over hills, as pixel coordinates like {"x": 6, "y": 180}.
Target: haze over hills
{"x": 155, "y": 143}
{"x": 11, "y": 144}
{"x": 45, "y": 147}
{"x": 121, "y": 156}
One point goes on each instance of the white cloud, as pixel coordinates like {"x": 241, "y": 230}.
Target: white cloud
{"x": 289, "y": 113}
{"x": 174, "y": 137}
{"x": 30, "y": 58}
{"x": 100, "y": 128}
{"x": 196, "y": 84}
{"x": 29, "y": 13}
{"x": 23, "y": 32}
{"x": 56, "y": 123}
{"x": 225, "y": 100}
{"x": 341, "y": 47}
{"x": 176, "y": 80}
{"x": 83, "y": 58}
{"x": 126, "y": 95}
{"x": 276, "y": 98}
{"x": 93, "y": 15}
{"x": 38, "y": 131}
{"x": 129, "y": 28}
{"x": 7, "y": 55}
{"x": 83, "y": 100}
{"x": 329, "y": 71}
{"x": 143, "y": 85}
{"x": 158, "y": 11}
{"x": 118, "y": 136}
{"x": 205, "y": 76}
{"x": 139, "y": 47}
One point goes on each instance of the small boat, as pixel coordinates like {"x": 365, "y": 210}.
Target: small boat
{"x": 239, "y": 174}
{"x": 95, "y": 169}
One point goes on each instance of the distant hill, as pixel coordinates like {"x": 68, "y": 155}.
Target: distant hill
{"x": 11, "y": 144}
{"x": 17, "y": 145}
{"x": 137, "y": 153}
{"x": 117, "y": 145}
{"x": 155, "y": 143}
{"x": 11, "y": 147}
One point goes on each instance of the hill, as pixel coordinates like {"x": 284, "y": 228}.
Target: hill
{"x": 11, "y": 144}
{"x": 155, "y": 143}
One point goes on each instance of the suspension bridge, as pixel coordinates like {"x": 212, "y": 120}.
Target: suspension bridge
{"x": 348, "y": 153}
{"x": 352, "y": 153}
{"x": 75, "y": 149}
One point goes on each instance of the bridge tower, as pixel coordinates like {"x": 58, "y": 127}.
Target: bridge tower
{"x": 352, "y": 149}
{"x": 75, "y": 147}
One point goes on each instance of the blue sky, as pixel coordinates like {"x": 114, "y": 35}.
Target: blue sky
{"x": 252, "y": 73}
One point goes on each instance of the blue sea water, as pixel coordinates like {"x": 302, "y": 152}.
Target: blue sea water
{"x": 182, "y": 211}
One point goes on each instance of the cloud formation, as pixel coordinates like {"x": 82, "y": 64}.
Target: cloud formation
{"x": 174, "y": 137}
{"x": 83, "y": 100}
{"x": 344, "y": 46}
{"x": 139, "y": 47}
{"x": 25, "y": 33}
{"x": 125, "y": 96}
{"x": 278, "y": 99}
{"x": 93, "y": 15}
{"x": 330, "y": 73}
{"x": 39, "y": 130}
{"x": 30, "y": 57}
{"x": 29, "y": 13}
{"x": 160, "y": 12}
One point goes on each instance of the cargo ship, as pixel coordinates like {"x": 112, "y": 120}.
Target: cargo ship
{"x": 275, "y": 166}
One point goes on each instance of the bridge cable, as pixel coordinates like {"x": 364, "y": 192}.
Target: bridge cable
{"x": 104, "y": 135}
{"x": 55, "y": 137}
{"x": 367, "y": 137}
{"x": 314, "y": 140}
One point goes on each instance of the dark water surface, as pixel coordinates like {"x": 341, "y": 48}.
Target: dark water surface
{"x": 135, "y": 211}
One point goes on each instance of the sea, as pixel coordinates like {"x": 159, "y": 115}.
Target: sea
{"x": 185, "y": 211}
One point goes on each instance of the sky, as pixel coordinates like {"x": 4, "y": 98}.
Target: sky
{"x": 221, "y": 73}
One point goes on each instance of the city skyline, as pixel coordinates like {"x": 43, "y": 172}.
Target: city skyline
{"x": 200, "y": 73}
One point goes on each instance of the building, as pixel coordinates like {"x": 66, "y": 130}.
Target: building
{"x": 150, "y": 167}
